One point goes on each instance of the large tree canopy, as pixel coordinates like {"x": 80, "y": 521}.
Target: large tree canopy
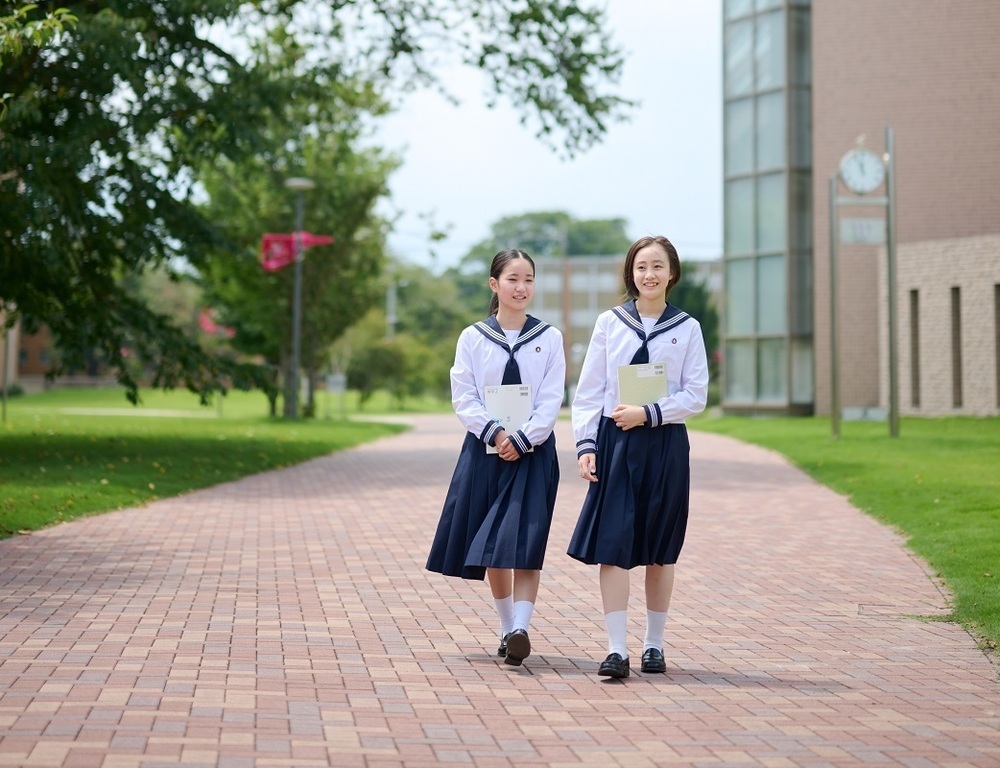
{"x": 106, "y": 121}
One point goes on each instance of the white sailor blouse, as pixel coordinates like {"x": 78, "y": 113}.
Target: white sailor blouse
{"x": 676, "y": 339}
{"x": 481, "y": 357}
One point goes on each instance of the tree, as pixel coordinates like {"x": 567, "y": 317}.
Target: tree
{"x": 431, "y": 315}
{"x": 428, "y": 319}
{"x": 22, "y": 28}
{"x": 107, "y": 122}
{"x": 340, "y": 280}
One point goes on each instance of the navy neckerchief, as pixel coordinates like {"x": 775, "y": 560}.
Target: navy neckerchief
{"x": 628, "y": 314}
{"x": 491, "y": 329}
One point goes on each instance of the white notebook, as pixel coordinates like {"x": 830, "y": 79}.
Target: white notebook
{"x": 509, "y": 404}
{"x": 642, "y": 384}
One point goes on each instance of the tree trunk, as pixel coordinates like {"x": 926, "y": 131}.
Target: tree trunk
{"x": 288, "y": 382}
{"x": 312, "y": 378}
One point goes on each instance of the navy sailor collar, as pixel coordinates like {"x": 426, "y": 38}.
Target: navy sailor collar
{"x": 671, "y": 317}
{"x": 491, "y": 329}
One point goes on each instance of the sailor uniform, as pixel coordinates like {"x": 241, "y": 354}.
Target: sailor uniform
{"x": 497, "y": 513}
{"x": 636, "y": 512}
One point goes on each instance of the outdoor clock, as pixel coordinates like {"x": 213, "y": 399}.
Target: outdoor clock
{"x": 862, "y": 170}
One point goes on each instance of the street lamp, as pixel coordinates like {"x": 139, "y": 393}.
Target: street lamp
{"x": 300, "y": 185}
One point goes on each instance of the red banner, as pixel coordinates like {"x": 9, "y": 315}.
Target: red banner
{"x": 278, "y": 250}
{"x": 308, "y": 239}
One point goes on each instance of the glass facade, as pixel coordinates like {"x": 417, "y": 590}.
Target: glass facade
{"x": 767, "y": 328}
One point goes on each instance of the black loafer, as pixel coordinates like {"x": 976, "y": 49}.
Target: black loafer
{"x": 613, "y": 666}
{"x": 502, "y": 650}
{"x": 518, "y": 647}
{"x": 653, "y": 661}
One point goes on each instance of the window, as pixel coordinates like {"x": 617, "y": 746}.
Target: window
{"x": 800, "y": 146}
{"x": 739, "y": 216}
{"x": 802, "y": 372}
{"x": 771, "y": 371}
{"x": 772, "y": 290}
{"x": 740, "y": 297}
{"x": 800, "y": 55}
{"x": 956, "y": 346}
{"x": 740, "y": 373}
{"x": 996, "y": 331}
{"x": 915, "y": 348}
{"x": 772, "y": 213}
{"x": 771, "y": 131}
{"x": 737, "y": 8}
{"x": 800, "y": 276}
{"x": 801, "y": 210}
{"x": 769, "y": 51}
{"x": 739, "y": 137}
{"x": 738, "y": 58}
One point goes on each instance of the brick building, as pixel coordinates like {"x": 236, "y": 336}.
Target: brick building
{"x": 803, "y": 83}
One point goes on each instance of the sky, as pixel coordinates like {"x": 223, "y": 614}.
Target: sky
{"x": 465, "y": 167}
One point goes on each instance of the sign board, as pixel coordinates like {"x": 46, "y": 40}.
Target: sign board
{"x": 862, "y": 231}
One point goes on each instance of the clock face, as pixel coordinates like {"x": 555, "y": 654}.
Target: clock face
{"x": 862, "y": 170}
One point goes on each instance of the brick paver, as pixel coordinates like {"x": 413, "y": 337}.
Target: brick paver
{"x": 286, "y": 620}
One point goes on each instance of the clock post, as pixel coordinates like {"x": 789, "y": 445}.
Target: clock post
{"x": 862, "y": 171}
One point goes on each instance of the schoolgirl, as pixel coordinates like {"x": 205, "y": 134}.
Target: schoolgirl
{"x": 636, "y": 456}
{"x": 498, "y": 510}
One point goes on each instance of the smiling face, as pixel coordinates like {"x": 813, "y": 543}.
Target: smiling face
{"x": 651, "y": 273}
{"x": 658, "y": 280}
{"x": 515, "y": 286}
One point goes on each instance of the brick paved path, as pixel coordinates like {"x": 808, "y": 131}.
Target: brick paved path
{"x": 286, "y": 620}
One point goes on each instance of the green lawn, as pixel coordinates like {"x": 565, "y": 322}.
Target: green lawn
{"x": 938, "y": 483}
{"x": 69, "y": 453}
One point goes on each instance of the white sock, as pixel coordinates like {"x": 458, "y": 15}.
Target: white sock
{"x": 616, "y": 622}
{"x": 505, "y": 610}
{"x": 522, "y": 614}
{"x": 655, "y": 623}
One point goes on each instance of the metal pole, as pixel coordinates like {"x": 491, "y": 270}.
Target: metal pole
{"x": 297, "y": 306}
{"x": 390, "y": 307}
{"x": 834, "y": 374}
{"x": 7, "y": 347}
{"x": 890, "y": 247}
{"x": 299, "y": 185}
{"x": 567, "y": 309}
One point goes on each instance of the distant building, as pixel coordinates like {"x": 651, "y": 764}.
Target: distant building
{"x": 35, "y": 354}
{"x": 802, "y": 82}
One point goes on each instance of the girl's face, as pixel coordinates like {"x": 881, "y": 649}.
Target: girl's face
{"x": 651, "y": 273}
{"x": 515, "y": 286}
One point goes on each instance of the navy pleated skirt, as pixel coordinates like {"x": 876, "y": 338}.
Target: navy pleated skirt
{"x": 636, "y": 513}
{"x": 497, "y": 513}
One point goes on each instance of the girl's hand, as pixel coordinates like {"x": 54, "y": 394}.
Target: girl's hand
{"x": 629, "y": 416}
{"x": 588, "y": 467}
{"x": 505, "y": 448}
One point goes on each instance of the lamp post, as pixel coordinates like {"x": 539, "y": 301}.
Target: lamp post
{"x": 300, "y": 185}
{"x": 890, "y": 250}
